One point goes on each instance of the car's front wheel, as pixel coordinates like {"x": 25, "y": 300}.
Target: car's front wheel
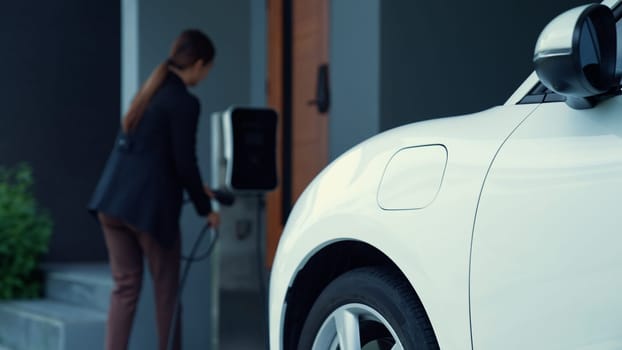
{"x": 368, "y": 308}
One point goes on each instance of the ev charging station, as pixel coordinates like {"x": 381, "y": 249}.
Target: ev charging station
{"x": 244, "y": 163}
{"x": 249, "y": 144}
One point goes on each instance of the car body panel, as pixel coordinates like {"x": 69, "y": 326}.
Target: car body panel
{"x": 340, "y": 204}
{"x": 424, "y": 167}
{"x": 548, "y": 276}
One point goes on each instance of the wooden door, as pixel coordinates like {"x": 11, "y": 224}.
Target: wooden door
{"x": 309, "y": 127}
{"x": 307, "y": 130}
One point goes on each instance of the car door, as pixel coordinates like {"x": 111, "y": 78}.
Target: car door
{"x": 546, "y": 263}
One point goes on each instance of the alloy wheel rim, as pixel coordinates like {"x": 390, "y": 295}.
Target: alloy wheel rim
{"x": 342, "y": 328}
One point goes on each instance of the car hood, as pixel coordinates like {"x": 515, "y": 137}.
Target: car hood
{"x": 359, "y": 170}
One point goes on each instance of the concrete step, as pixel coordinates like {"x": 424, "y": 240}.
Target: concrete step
{"x": 87, "y": 285}
{"x": 50, "y": 325}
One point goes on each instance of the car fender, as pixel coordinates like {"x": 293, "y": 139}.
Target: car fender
{"x": 431, "y": 246}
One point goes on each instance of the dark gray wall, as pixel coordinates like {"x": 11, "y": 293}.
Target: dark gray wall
{"x": 258, "y": 52}
{"x": 355, "y": 72}
{"x": 60, "y": 106}
{"x": 448, "y": 58}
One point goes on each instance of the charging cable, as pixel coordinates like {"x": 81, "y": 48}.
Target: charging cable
{"x": 190, "y": 259}
{"x": 227, "y": 199}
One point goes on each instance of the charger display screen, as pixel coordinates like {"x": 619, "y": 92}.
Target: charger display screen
{"x": 254, "y": 149}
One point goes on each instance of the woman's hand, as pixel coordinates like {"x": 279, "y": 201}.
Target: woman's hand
{"x": 213, "y": 219}
{"x": 208, "y": 191}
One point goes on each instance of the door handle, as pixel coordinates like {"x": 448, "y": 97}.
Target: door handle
{"x": 322, "y": 93}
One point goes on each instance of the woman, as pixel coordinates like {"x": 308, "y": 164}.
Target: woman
{"x": 139, "y": 197}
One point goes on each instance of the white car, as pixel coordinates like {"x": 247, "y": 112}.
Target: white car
{"x": 497, "y": 230}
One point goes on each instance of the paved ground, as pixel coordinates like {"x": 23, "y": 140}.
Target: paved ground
{"x": 242, "y": 323}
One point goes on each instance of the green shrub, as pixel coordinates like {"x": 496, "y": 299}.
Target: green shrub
{"x": 24, "y": 234}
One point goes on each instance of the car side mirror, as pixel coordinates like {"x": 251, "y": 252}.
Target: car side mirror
{"x": 575, "y": 55}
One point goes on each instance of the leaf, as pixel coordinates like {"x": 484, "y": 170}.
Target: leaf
{"x": 25, "y": 231}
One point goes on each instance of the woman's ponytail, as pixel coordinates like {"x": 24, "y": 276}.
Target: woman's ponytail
{"x": 144, "y": 95}
{"x": 192, "y": 45}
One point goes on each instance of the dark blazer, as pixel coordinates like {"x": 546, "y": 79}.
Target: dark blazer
{"x": 147, "y": 171}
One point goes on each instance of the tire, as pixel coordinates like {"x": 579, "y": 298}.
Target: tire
{"x": 377, "y": 301}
